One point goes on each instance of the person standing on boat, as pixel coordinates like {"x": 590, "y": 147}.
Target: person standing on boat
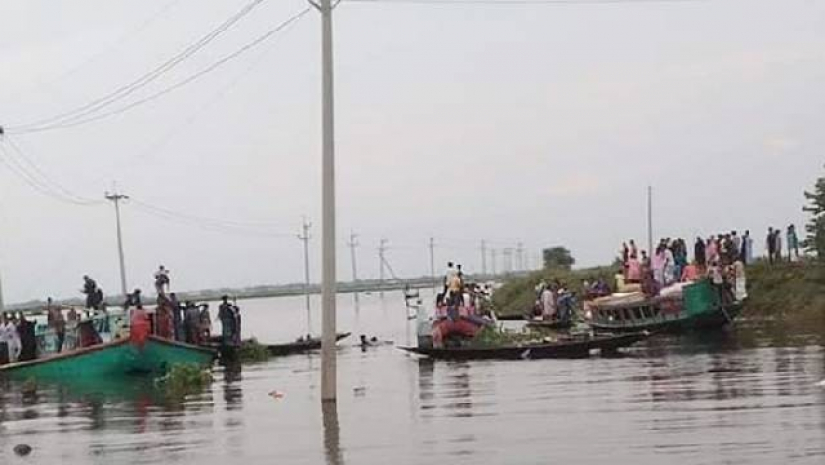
{"x": 205, "y": 323}
{"x": 162, "y": 280}
{"x": 90, "y": 289}
{"x": 177, "y": 317}
{"x": 236, "y": 313}
{"x": 11, "y": 337}
{"x": 28, "y": 341}
{"x": 5, "y": 356}
{"x": 699, "y": 252}
{"x": 191, "y": 323}
{"x": 56, "y": 322}
{"x": 227, "y": 317}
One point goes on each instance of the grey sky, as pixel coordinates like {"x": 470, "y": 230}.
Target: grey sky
{"x": 540, "y": 123}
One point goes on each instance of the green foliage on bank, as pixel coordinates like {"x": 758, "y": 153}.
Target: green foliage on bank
{"x": 792, "y": 292}
{"x": 517, "y": 296}
{"x": 815, "y": 240}
{"x": 786, "y": 291}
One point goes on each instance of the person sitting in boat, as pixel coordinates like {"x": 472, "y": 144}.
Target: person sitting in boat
{"x": 690, "y": 272}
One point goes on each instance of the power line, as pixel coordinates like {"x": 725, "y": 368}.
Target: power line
{"x": 520, "y": 2}
{"x": 256, "y": 229}
{"x": 25, "y": 169}
{"x": 147, "y": 78}
{"x": 175, "y": 86}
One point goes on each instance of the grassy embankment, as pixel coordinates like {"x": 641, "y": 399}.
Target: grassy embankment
{"x": 789, "y": 293}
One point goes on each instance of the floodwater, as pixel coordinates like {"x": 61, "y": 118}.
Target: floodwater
{"x": 748, "y": 397}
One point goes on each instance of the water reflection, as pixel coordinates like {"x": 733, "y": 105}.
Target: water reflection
{"x": 332, "y": 434}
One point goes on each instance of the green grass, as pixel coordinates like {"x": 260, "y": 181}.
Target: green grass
{"x": 789, "y": 293}
{"x": 184, "y": 379}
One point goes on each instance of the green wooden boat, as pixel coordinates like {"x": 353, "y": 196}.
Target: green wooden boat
{"x": 700, "y": 306}
{"x": 116, "y": 358}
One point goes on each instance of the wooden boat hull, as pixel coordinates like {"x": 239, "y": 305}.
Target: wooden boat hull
{"x": 115, "y": 358}
{"x": 549, "y": 325}
{"x": 574, "y": 348}
{"x": 674, "y": 324}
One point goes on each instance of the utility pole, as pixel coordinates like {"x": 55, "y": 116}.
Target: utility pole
{"x": 304, "y": 237}
{"x": 650, "y": 221}
{"x": 493, "y": 260}
{"x": 382, "y": 247}
{"x": 353, "y": 243}
{"x": 483, "y": 257}
{"x": 2, "y": 305}
{"x": 432, "y": 265}
{"x": 116, "y": 199}
{"x": 520, "y": 257}
{"x": 329, "y": 379}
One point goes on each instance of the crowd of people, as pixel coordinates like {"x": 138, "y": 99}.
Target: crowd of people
{"x": 554, "y": 301}
{"x": 172, "y": 319}
{"x": 458, "y": 293}
{"x": 773, "y": 244}
{"x": 186, "y": 321}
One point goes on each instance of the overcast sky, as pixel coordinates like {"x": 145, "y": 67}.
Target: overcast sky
{"x": 534, "y": 123}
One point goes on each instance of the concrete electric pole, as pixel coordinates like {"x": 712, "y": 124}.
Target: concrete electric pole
{"x": 304, "y": 237}
{"x": 116, "y": 199}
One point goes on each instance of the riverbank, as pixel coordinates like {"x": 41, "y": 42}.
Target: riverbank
{"x": 791, "y": 294}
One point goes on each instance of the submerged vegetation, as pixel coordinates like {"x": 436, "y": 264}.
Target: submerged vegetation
{"x": 253, "y": 351}
{"x": 184, "y": 379}
{"x": 492, "y": 336}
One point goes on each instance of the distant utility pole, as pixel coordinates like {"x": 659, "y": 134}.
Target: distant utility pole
{"x": 650, "y": 221}
{"x": 2, "y": 305}
{"x": 432, "y": 265}
{"x": 382, "y": 247}
{"x": 493, "y": 260}
{"x": 353, "y": 243}
{"x": 508, "y": 260}
{"x": 483, "y": 257}
{"x": 304, "y": 237}
{"x": 520, "y": 257}
{"x": 116, "y": 199}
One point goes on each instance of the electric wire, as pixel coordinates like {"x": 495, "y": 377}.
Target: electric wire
{"x": 206, "y": 70}
{"x": 29, "y": 172}
{"x": 142, "y": 81}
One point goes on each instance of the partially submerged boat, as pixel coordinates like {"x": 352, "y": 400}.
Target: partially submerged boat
{"x": 300, "y": 346}
{"x": 685, "y": 307}
{"x": 119, "y": 357}
{"x": 574, "y": 347}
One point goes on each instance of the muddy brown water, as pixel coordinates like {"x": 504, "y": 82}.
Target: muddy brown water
{"x": 750, "y": 396}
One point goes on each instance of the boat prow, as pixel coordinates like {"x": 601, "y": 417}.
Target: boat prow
{"x": 116, "y": 358}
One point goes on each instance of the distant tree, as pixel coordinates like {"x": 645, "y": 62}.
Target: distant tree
{"x": 558, "y": 257}
{"x": 815, "y": 240}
